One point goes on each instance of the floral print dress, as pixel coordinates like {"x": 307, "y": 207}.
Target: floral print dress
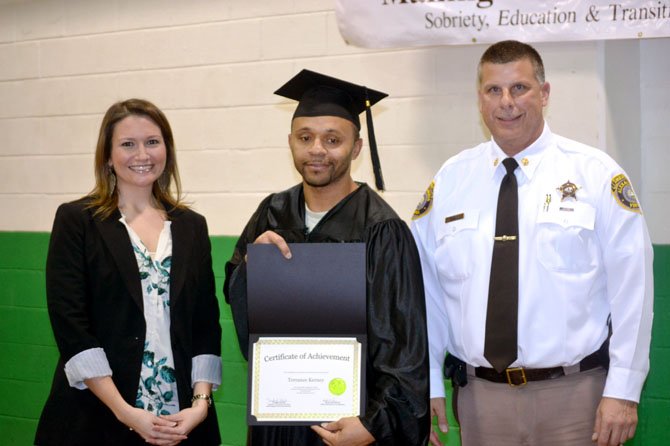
{"x": 157, "y": 390}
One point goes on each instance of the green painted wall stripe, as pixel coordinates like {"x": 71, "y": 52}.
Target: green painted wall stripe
{"x": 23, "y": 250}
{"x": 28, "y": 353}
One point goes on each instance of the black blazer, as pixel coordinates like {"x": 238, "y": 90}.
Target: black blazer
{"x": 94, "y": 298}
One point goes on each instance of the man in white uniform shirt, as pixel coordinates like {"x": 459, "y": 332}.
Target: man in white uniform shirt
{"x": 580, "y": 271}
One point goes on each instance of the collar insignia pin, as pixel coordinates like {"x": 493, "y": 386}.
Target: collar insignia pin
{"x": 568, "y": 190}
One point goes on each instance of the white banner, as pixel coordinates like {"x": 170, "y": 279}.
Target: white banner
{"x": 402, "y": 23}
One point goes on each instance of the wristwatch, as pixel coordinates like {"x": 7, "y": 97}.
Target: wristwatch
{"x": 202, "y": 396}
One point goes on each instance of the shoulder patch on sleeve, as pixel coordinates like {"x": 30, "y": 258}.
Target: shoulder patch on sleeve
{"x": 426, "y": 203}
{"x": 624, "y": 194}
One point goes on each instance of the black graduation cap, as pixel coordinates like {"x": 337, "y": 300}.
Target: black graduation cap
{"x": 321, "y": 95}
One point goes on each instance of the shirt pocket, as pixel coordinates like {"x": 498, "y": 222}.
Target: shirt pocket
{"x": 566, "y": 240}
{"x": 456, "y": 237}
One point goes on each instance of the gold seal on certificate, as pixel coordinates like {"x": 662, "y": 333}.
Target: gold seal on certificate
{"x": 304, "y": 379}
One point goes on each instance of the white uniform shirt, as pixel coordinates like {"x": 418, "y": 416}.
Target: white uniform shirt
{"x": 580, "y": 259}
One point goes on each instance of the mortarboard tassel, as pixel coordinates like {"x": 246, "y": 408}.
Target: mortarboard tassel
{"x": 374, "y": 154}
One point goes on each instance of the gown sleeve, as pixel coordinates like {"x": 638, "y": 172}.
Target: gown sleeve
{"x": 235, "y": 282}
{"x": 398, "y": 409}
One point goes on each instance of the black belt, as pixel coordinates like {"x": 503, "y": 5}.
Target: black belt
{"x": 518, "y": 376}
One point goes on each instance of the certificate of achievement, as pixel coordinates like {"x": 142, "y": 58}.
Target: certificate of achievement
{"x": 307, "y": 333}
{"x": 305, "y": 379}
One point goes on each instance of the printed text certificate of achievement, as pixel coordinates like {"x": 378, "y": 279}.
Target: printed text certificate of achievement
{"x": 297, "y": 379}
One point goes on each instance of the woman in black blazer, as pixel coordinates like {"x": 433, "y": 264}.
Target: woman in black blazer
{"x": 130, "y": 293}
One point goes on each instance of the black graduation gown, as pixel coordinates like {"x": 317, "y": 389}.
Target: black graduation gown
{"x": 398, "y": 408}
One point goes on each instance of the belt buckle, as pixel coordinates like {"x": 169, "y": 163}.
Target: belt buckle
{"x": 510, "y": 373}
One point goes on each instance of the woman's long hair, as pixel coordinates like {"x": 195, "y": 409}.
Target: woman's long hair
{"x": 166, "y": 190}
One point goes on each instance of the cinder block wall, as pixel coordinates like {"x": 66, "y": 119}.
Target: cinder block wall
{"x": 213, "y": 65}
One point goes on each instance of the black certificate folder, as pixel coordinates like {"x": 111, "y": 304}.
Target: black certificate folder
{"x": 307, "y": 332}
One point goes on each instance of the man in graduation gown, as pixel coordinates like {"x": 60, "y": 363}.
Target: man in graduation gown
{"x": 329, "y": 206}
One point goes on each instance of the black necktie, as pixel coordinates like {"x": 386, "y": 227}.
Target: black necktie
{"x": 500, "y": 344}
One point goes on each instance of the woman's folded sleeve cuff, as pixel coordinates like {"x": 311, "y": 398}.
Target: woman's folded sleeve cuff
{"x": 91, "y": 363}
{"x": 206, "y": 368}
